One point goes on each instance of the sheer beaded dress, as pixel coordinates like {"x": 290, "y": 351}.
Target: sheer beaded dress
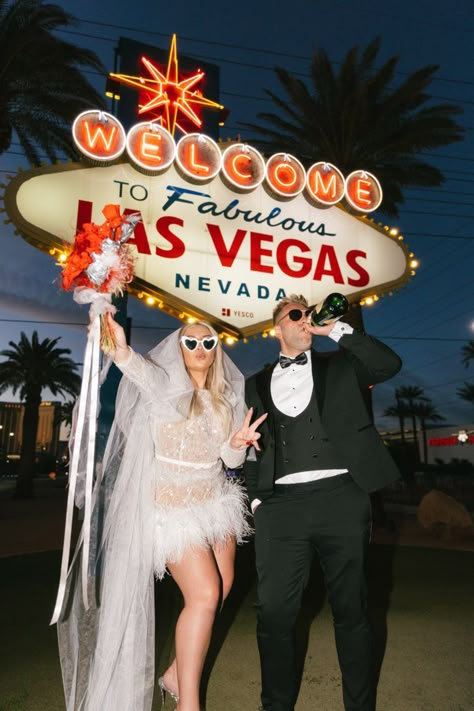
{"x": 195, "y": 503}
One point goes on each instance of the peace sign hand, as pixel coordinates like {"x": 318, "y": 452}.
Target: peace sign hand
{"x": 247, "y": 435}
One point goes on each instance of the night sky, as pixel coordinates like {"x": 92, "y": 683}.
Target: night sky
{"x": 430, "y": 319}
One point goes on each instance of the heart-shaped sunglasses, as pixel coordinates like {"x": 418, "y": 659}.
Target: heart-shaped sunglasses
{"x": 191, "y": 343}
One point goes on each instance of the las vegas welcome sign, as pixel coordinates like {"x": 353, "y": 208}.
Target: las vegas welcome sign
{"x": 224, "y": 232}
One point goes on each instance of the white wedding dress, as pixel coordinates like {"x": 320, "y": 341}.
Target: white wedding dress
{"x": 161, "y": 490}
{"x": 195, "y": 503}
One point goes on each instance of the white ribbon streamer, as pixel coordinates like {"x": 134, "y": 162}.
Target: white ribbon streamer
{"x": 88, "y": 410}
{"x": 92, "y": 431}
{"x": 100, "y": 303}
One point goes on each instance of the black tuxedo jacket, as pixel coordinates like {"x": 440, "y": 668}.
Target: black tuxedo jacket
{"x": 341, "y": 379}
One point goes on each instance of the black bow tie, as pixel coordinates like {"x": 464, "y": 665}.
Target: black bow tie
{"x": 300, "y": 359}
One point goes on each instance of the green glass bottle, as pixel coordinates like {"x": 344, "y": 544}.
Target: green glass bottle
{"x": 333, "y": 306}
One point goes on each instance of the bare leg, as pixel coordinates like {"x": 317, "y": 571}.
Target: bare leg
{"x": 197, "y": 577}
{"x": 225, "y": 557}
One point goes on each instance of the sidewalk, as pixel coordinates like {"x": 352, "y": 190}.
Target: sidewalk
{"x": 420, "y": 607}
{"x": 32, "y": 525}
{"x": 37, "y": 525}
{"x": 406, "y": 531}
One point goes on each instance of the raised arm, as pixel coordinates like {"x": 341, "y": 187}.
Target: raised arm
{"x": 234, "y": 450}
{"x": 373, "y": 361}
{"x": 135, "y": 367}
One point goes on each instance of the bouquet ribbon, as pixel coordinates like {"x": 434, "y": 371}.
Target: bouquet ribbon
{"x": 86, "y": 417}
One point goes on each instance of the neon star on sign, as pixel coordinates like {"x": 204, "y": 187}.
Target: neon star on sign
{"x": 175, "y": 102}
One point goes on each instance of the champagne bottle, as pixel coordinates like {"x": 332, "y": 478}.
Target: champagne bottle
{"x": 333, "y": 306}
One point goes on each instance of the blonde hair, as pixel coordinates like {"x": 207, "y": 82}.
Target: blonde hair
{"x": 215, "y": 383}
{"x": 297, "y": 299}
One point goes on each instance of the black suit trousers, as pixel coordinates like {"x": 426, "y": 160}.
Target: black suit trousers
{"x": 331, "y": 518}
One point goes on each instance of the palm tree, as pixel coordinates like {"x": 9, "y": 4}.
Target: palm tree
{"x": 62, "y": 413}
{"x": 402, "y": 413}
{"x": 66, "y": 411}
{"x": 359, "y": 118}
{"x": 41, "y": 86}
{"x": 32, "y": 366}
{"x": 426, "y": 412}
{"x": 400, "y": 410}
{"x": 468, "y": 353}
{"x": 466, "y": 392}
{"x": 412, "y": 394}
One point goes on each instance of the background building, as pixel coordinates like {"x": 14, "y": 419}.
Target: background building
{"x": 448, "y": 443}
{"x": 11, "y": 423}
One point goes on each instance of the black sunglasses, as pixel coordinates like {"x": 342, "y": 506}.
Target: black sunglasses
{"x": 191, "y": 343}
{"x": 296, "y": 314}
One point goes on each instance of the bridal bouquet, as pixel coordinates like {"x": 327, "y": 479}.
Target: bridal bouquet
{"x": 100, "y": 265}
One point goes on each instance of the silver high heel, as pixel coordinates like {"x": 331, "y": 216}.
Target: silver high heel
{"x": 165, "y": 690}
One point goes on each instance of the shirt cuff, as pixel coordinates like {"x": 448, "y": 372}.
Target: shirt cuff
{"x": 339, "y": 330}
{"x": 231, "y": 457}
{"x": 255, "y": 504}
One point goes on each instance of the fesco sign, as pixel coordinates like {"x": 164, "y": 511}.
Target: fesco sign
{"x": 101, "y": 137}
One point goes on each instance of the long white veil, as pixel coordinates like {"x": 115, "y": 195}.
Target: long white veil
{"x": 107, "y": 652}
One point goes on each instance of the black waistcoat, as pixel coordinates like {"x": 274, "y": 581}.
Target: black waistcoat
{"x": 302, "y": 444}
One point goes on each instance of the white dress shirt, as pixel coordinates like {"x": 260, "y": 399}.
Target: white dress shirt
{"x": 291, "y": 389}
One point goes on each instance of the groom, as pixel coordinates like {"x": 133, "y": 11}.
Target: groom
{"x": 309, "y": 491}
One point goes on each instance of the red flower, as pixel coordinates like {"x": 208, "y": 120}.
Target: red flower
{"x": 89, "y": 241}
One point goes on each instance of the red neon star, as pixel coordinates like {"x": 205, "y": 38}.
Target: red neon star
{"x": 165, "y": 95}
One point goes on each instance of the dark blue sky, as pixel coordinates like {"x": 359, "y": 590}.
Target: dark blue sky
{"x": 429, "y": 320}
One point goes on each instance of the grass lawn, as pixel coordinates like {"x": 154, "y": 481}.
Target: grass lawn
{"x": 421, "y": 606}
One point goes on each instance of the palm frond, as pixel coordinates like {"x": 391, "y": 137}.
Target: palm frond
{"x": 359, "y": 117}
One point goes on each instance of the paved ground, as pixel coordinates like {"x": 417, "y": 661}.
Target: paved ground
{"x": 32, "y": 525}
{"x": 35, "y": 525}
{"x": 421, "y": 592}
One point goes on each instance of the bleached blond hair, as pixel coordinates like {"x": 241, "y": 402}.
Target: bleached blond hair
{"x": 215, "y": 382}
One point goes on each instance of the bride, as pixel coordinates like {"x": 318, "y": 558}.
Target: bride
{"x": 163, "y": 503}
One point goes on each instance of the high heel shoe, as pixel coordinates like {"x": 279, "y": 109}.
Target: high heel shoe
{"x": 166, "y": 690}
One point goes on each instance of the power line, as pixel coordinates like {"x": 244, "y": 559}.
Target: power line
{"x": 437, "y": 190}
{"x": 423, "y": 338}
{"x": 257, "y": 50}
{"x": 434, "y": 327}
{"x": 79, "y": 323}
{"x": 54, "y": 323}
{"x": 423, "y": 279}
{"x": 442, "y": 385}
{"x": 458, "y": 172}
{"x": 447, "y": 202}
{"x": 435, "y": 214}
{"x": 172, "y": 328}
{"x": 267, "y": 99}
{"x": 441, "y": 236}
{"x": 248, "y": 65}
{"x": 423, "y": 319}
{"x": 449, "y": 157}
